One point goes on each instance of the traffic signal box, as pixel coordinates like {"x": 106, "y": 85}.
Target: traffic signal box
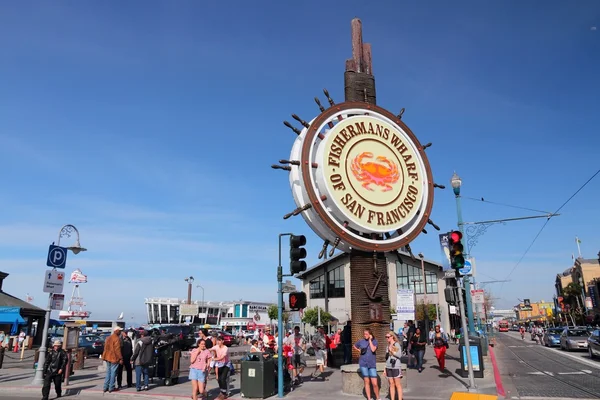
{"x": 457, "y": 258}
{"x": 297, "y": 301}
{"x": 297, "y": 253}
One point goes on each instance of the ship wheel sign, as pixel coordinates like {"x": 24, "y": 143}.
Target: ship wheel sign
{"x": 360, "y": 178}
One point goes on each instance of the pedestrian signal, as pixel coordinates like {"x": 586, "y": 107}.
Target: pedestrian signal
{"x": 297, "y": 301}
{"x": 297, "y": 253}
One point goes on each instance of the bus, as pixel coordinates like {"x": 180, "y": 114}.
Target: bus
{"x": 503, "y": 326}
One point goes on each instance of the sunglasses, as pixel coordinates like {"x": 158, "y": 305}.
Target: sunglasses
{"x": 388, "y": 336}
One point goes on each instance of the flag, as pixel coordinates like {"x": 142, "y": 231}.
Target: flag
{"x": 577, "y": 240}
{"x": 573, "y": 256}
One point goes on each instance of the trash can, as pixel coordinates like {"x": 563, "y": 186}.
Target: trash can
{"x": 166, "y": 363}
{"x": 476, "y": 357}
{"x": 258, "y": 376}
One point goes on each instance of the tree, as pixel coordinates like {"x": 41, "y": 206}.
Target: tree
{"x": 272, "y": 313}
{"x": 431, "y": 310}
{"x": 311, "y": 316}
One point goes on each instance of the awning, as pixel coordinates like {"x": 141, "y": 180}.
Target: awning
{"x": 11, "y": 317}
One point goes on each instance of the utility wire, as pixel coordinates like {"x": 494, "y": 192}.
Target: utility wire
{"x": 546, "y": 223}
{"x": 505, "y": 205}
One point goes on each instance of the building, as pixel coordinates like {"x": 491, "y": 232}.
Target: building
{"x": 586, "y": 273}
{"x": 327, "y": 285}
{"x": 224, "y": 314}
{"x": 527, "y": 312}
{"x": 17, "y": 314}
{"x": 562, "y": 280}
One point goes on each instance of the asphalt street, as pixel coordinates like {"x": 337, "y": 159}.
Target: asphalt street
{"x": 530, "y": 370}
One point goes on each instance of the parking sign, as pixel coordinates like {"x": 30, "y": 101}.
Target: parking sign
{"x": 57, "y": 257}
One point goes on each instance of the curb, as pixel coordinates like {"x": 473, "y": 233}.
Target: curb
{"x": 497, "y": 377}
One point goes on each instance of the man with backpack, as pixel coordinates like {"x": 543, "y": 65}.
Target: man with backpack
{"x": 143, "y": 355}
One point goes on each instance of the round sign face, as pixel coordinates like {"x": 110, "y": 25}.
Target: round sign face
{"x": 364, "y": 181}
{"x": 372, "y": 173}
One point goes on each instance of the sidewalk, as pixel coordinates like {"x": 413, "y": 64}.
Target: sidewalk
{"x": 430, "y": 384}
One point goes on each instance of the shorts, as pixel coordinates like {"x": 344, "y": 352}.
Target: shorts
{"x": 197, "y": 375}
{"x": 393, "y": 373}
{"x": 321, "y": 356}
{"x": 298, "y": 361}
{"x": 368, "y": 372}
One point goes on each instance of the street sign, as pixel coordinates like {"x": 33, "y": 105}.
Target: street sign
{"x": 449, "y": 274}
{"x": 58, "y": 301}
{"x": 445, "y": 251}
{"x": 57, "y": 257}
{"x": 468, "y": 268}
{"x": 188, "y": 309}
{"x": 405, "y": 304}
{"x": 477, "y": 296}
{"x": 54, "y": 281}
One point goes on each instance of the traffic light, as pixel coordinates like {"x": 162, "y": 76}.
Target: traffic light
{"x": 451, "y": 295}
{"x": 297, "y": 253}
{"x": 457, "y": 259}
{"x": 297, "y": 301}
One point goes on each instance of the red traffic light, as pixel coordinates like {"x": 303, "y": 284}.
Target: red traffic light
{"x": 455, "y": 236}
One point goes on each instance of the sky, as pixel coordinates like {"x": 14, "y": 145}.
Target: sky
{"x": 151, "y": 126}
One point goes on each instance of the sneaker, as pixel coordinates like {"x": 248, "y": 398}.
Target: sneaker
{"x": 145, "y": 387}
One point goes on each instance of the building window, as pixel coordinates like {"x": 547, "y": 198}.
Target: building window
{"x": 237, "y": 311}
{"x": 407, "y": 275}
{"x": 245, "y": 311}
{"x": 317, "y": 287}
{"x": 431, "y": 282}
{"x": 335, "y": 282}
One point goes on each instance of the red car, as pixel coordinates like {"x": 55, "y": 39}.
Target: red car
{"x": 229, "y": 339}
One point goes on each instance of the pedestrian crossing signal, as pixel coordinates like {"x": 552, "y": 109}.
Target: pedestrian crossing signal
{"x": 297, "y": 301}
{"x": 457, "y": 258}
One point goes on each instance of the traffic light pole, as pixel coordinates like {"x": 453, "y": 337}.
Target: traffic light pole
{"x": 280, "y": 333}
{"x": 463, "y": 322}
{"x": 466, "y": 280}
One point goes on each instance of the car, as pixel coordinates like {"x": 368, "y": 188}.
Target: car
{"x": 574, "y": 338}
{"x": 551, "y": 337}
{"x": 93, "y": 344}
{"x": 186, "y": 333}
{"x": 228, "y": 338}
{"x": 594, "y": 344}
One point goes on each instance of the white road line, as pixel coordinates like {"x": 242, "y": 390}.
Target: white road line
{"x": 549, "y": 373}
{"x": 536, "y": 373}
{"x": 574, "y": 357}
{"x": 572, "y": 373}
{"x": 587, "y": 371}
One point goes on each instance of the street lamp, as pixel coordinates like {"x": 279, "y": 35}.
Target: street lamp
{"x": 203, "y": 305}
{"x": 456, "y": 183}
{"x": 425, "y": 303}
{"x": 65, "y": 231}
{"x": 415, "y": 281}
{"x": 189, "y": 281}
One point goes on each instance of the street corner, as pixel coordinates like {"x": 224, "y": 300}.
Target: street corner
{"x": 472, "y": 396}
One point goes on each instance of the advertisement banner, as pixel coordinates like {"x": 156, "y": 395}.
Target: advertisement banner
{"x": 405, "y": 305}
{"x": 445, "y": 251}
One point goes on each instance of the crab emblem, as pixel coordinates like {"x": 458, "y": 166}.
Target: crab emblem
{"x": 381, "y": 173}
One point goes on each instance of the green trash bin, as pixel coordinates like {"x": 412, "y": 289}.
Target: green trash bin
{"x": 258, "y": 376}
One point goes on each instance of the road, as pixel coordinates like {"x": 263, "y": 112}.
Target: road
{"x": 534, "y": 371}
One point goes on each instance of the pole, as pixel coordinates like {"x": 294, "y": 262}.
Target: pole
{"x": 466, "y": 281}
{"x": 463, "y": 322}
{"x": 425, "y": 304}
{"x": 318, "y": 316}
{"x": 38, "y": 379}
{"x": 280, "y": 322}
{"x": 189, "y": 299}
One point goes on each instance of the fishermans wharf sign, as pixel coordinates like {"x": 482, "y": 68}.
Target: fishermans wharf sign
{"x": 362, "y": 179}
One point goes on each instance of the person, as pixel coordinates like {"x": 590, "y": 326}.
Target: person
{"x": 143, "y": 355}
{"x": 113, "y": 357}
{"x": 522, "y": 331}
{"x": 126, "y": 352}
{"x": 222, "y": 367}
{"x": 409, "y": 334}
{"x": 199, "y": 362}
{"x": 319, "y": 344}
{"x": 440, "y": 344}
{"x": 298, "y": 362}
{"x": 254, "y": 346}
{"x": 418, "y": 341}
{"x": 431, "y": 336}
{"x": 393, "y": 365}
{"x": 54, "y": 367}
{"x": 367, "y": 362}
{"x": 347, "y": 342}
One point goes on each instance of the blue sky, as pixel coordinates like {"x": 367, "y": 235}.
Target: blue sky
{"x": 152, "y": 126}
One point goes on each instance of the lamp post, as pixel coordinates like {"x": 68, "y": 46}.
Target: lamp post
{"x": 189, "y": 281}
{"x": 456, "y": 183}
{"x": 65, "y": 231}
{"x": 415, "y": 281}
{"x": 425, "y": 303}
{"x": 203, "y": 305}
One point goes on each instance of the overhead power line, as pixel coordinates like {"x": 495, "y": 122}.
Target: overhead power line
{"x": 503, "y": 204}
{"x": 546, "y": 223}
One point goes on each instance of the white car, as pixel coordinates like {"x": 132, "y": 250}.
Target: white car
{"x": 574, "y": 338}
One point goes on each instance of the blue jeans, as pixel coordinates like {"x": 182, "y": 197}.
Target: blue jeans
{"x": 419, "y": 356}
{"x": 139, "y": 369}
{"x": 111, "y": 374}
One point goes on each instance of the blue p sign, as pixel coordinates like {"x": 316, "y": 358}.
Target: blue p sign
{"x": 57, "y": 257}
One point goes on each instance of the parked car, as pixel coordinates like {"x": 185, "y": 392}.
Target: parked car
{"x": 574, "y": 338}
{"x": 594, "y": 344}
{"x": 551, "y": 337}
{"x": 228, "y": 338}
{"x": 92, "y": 344}
{"x": 186, "y": 333}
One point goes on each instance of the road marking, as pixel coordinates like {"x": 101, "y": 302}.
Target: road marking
{"x": 572, "y": 373}
{"x": 536, "y": 373}
{"x": 548, "y": 373}
{"x": 587, "y": 371}
{"x": 574, "y": 357}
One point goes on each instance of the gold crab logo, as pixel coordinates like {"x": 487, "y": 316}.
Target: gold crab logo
{"x": 382, "y": 173}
